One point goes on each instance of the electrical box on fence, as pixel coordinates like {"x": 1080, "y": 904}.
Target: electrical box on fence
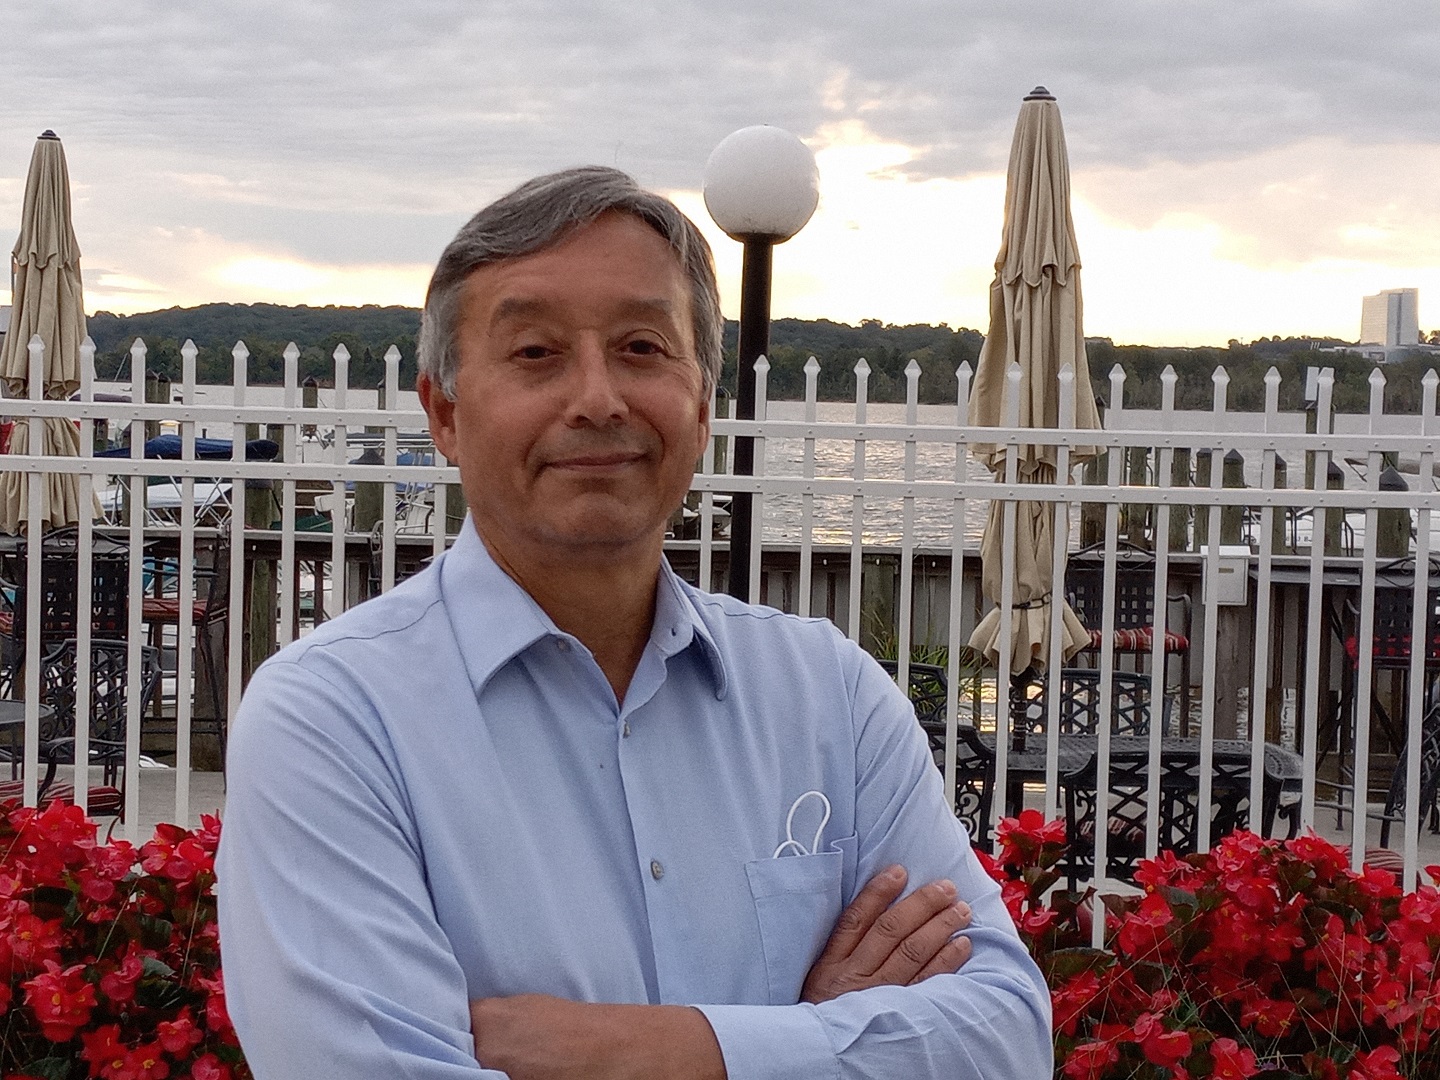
{"x": 1231, "y": 577}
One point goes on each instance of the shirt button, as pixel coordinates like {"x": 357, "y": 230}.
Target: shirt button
{"x": 656, "y": 870}
{"x": 625, "y": 731}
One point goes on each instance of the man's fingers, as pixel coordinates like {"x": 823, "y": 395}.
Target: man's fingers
{"x": 911, "y": 955}
{"x": 899, "y": 922}
{"x": 947, "y": 961}
{"x": 857, "y": 919}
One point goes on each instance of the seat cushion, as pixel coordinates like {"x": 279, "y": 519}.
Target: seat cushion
{"x": 105, "y": 801}
{"x": 1140, "y": 641}
{"x": 1389, "y": 648}
{"x": 167, "y": 609}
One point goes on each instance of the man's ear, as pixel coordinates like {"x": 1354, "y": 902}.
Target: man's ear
{"x": 440, "y": 410}
{"x": 704, "y": 427}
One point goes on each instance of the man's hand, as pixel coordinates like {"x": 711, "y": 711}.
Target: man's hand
{"x": 878, "y": 942}
{"x": 535, "y": 1037}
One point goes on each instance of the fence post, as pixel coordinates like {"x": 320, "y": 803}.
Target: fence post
{"x": 156, "y": 393}
{"x": 1232, "y": 517}
{"x": 1279, "y": 531}
{"x": 1334, "y": 517}
{"x": 1392, "y": 531}
{"x": 370, "y": 494}
{"x": 1137, "y": 515}
{"x": 455, "y": 507}
{"x": 264, "y": 599}
{"x": 1180, "y": 514}
{"x": 309, "y": 399}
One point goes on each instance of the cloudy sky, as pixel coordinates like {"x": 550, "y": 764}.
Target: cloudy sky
{"x": 1239, "y": 168}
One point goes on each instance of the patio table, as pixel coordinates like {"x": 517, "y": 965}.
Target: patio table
{"x": 1283, "y": 768}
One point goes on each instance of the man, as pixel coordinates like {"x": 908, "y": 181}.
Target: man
{"x": 547, "y": 811}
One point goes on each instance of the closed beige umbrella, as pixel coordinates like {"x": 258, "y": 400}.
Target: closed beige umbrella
{"x": 46, "y": 301}
{"x": 1035, "y": 322}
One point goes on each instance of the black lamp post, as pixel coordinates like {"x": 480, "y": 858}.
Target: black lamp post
{"x": 761, "y": 186}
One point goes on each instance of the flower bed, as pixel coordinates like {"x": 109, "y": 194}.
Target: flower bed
{"x": 109, "y": 955}
{"x": 1260, "y": 958}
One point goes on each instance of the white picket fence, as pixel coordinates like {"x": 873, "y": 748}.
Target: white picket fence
{"x": 887, "y": 458}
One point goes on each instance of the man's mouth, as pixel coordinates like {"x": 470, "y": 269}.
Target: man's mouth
{"x": 597, "y": 462}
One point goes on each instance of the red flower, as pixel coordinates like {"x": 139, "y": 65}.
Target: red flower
{"x": 176, "y": 855}
{"x": 179, "y": 1036}
{"x": 119, "y": 984}
{"x": 1232, "y": 1062}
{"x": 1037, "y": 920}
{"x": 217, "y": 1019}
{"x": 990, "y": 866}
{"x": 1023, "y": 838}
{"x": 1271, "y": 1018}
{"x": 210, "y": 1067}
{"x": 1160, "y": 1046}
{"x": 147, "y": 1062}
{"x": 1327, "y": 859}
{"x": 1144, "y": 931}
{"x": 1378, "y": 883}
{"x": 1377, "y": 1064}
{"x": 1167, "y": 869}
{"x": 1088, "y": 1061}
{"x": 1070, "y": 1001}
{"x": 1390, "y": 1002}
{"x": 104, "y": 1051}
{"x": 34, "y": 941}
{"x": 61, "y": 999}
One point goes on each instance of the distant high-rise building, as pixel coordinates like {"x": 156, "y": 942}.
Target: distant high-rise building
{"x": 1391, "y": 318}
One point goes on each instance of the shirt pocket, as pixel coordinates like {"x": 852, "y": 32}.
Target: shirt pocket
{"x": 797, "y": 900}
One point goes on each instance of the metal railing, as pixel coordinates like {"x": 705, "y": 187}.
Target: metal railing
{"x": 840, "y": 485}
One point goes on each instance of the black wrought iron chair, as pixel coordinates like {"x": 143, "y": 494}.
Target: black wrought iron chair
{"x": 1080, "y": 703}
{"x": 408, "y": 561}
{"x": 1135, "y": 615}
{"x": 1393, "y": 607}
{"x": 1128, "y": 809}
{"x": 210, "y": 614}
{"x": 974, "y": 762}
{"x": 59, "y": 595}
{"x": 1394, "y": 811}
{"x": 108, "y": 712}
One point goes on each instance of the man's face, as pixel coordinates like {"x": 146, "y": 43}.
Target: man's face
{"x": 579, "y": 411}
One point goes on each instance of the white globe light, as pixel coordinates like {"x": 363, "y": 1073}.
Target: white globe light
{"x": 761, "y": 183}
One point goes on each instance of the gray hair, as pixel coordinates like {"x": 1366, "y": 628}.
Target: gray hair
{"x": 541, "y": 213}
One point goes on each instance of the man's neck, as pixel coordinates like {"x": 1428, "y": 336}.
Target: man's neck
{"x": 607, "y": 602}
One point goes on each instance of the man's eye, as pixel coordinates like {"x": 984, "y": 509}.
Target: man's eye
{"x": 532, "y": 352}
{"x": 644, "y": 347}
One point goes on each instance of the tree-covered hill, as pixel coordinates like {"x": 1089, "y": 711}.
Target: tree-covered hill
{"x": 369, "y": 331}
{"x": 266, "y": 329}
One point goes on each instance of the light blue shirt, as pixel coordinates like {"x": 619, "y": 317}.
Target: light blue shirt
{"x": 435, "y": 798}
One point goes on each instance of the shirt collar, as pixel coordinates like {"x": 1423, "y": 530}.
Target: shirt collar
{"x": 494, "y": 619}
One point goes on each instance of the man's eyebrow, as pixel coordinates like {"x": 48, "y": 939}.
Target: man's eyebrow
{"x": 515, "y": 307}
{"x": 657, "y": 306}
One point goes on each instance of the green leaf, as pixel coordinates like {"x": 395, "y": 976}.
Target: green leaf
{"x": 152, "y": 966}
{"x": 1067, "y": 963}
{"x": 50, "y": 1068}
{"x": 163, "y": 995}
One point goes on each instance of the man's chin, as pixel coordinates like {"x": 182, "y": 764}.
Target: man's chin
{"x": 586, "y": 538}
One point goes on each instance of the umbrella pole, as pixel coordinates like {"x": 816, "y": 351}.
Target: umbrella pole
{"x": 1019, "y": 705}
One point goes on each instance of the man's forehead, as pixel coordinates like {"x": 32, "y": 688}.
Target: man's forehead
{"x": 523, "y": 308}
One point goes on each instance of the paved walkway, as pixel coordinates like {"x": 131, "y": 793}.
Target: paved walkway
{"x": 207, "y": 796}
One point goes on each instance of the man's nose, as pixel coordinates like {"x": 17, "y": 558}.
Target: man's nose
{"x": 596, "y": 397}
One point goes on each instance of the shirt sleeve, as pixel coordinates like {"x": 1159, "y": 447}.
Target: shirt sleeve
{"x": 990, "y": 1019}
{"x": 334, "y": 962}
